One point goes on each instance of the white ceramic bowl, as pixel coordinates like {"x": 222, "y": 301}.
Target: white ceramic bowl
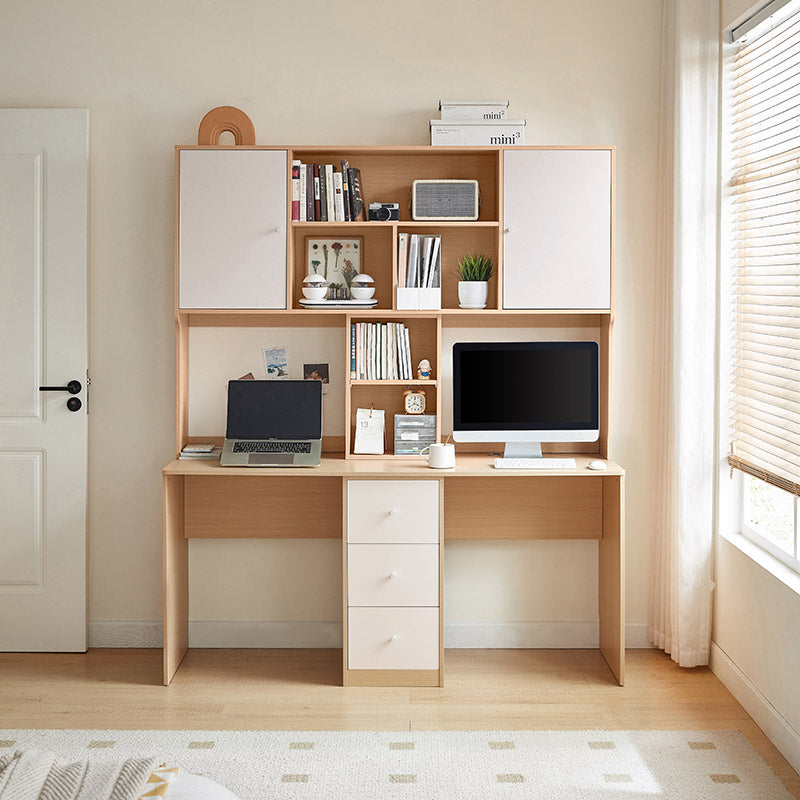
{"x": 361, "y": 292}
{"x": 315, "y": 292}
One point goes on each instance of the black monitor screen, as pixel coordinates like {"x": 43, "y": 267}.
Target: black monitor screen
{"x": 274, "y": 410}
{"x": 525, "y": 386}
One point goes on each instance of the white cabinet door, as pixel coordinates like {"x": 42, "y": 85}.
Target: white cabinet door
{"x": 557, "y": 221}
{"x": 232, "y": 228}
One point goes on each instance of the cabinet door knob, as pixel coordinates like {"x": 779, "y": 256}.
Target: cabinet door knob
{"x": 393, "y": 637}
{"x": 393, "y": 512}
{"x": 392, "y": 575}
{"x": 279, "y": 229}
{"x": 509, "y": 229}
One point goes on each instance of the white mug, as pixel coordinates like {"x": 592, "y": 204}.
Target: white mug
{"x": 440, "y": 456}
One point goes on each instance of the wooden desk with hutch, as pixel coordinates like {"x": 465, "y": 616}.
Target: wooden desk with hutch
{"x": 394, "y": 514}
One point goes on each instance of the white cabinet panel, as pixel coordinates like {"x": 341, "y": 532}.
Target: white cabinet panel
{"x": 232, "y": 228}
{"x": 557, "y": 221}
{"x": 393, "y": 575}
{"x": 393, "y": 638}
{"x": 393, "y": 511}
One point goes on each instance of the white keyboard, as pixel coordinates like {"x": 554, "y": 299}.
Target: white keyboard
{"x": 534, "y": 463}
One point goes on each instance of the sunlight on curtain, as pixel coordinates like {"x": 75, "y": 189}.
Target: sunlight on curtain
{"x": 680, "y": 607}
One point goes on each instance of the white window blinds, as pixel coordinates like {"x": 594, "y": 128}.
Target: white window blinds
{"x": 765, "y": 150}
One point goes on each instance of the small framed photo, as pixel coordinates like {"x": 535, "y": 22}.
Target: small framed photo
{"x": 337, "y": 260}
{"x": 316, "y": 372}
{"x": 276, "y": 364}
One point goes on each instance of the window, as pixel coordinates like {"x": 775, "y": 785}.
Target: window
{"x": 764, "y": 243}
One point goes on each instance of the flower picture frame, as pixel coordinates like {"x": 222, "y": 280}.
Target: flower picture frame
{"x": 338, "y": 259}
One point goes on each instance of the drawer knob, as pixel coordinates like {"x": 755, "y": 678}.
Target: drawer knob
{"x": 392, "y": 575}
{"x": 393, "y": 512}
{"x": 393, "y": 637}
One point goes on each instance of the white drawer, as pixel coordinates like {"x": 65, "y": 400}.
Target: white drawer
{"x": 393, "y": 511}
{"x": 393, "y": 638}
{"x": 393, "y": 575}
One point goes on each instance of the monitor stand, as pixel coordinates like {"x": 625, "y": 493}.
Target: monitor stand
{"x": 523, "y": 450}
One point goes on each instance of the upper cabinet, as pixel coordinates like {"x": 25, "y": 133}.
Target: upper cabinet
{"x": 232, "y": 216}
{"x": 557, "y": 222}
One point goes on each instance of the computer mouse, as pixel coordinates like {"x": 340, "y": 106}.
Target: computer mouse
{"x": 597, "y": 465}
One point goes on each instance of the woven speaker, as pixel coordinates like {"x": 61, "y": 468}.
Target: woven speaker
{"x": 444, "y": 200}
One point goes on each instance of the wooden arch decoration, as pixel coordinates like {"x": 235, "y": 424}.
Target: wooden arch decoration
{"x": 226, "y": 118}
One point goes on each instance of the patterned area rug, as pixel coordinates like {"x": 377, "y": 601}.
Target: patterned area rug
{"x": 443, "y": 765}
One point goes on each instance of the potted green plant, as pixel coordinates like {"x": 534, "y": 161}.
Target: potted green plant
{"x": 474, "y": 271}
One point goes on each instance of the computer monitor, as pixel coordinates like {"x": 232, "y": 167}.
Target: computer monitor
{"x": 525, "y": 393}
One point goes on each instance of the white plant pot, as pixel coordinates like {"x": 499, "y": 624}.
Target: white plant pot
{"x": 473, "y": 294}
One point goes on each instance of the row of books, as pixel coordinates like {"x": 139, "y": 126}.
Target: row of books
{"x": 419, "y": 261}
{"x": 321, "y": 194}
{"x": 380, "y": 351}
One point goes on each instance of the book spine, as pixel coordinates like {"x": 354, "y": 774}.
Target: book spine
{"x": 362, "y": 370}
{"x": 331, "y": 189}
{"x": 338, "y": 199}
{"x": 352, "y": 351}
{"x": 425, "y": 261}
{"x": 436, "y": 263}
{"x": 413, "y": 250}
{"x": 309, "y": 192}
{"x": 372, "y": 370}
{"x": 356, "y": 200}
{"x": 346, "y": 191}
{"x": 317, "y": 203}
{"x": 384, "y": 352}
{"x": 407, "y": 342}
{"x": 296, "y": 191}
{"x": 323, "y": 194}
{"x": 402, "y": 259}
{"x": 302, "y": 192}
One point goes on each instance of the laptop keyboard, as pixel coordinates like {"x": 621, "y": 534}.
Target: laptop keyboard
{"x": 272, "y": 447}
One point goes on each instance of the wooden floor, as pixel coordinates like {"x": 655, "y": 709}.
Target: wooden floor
{"x": 298, "y": 690}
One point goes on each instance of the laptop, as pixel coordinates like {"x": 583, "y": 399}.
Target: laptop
{"x": 273, "y": 424}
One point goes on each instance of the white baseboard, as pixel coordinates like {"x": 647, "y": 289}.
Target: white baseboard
{"x": 776, "y": 727}
{"x": 480, "y": 635}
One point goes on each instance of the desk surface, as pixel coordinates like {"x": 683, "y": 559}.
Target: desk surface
{"x": 467, "y": 466}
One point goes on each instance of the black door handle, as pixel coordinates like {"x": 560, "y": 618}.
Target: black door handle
{"x": 73, "y": 387}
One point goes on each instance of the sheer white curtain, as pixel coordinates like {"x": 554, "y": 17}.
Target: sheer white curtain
{"x": 680, "y": 608}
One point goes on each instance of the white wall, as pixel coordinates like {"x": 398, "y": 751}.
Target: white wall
{"x": 756, "y": 626}
{"x": 308, "y": 72}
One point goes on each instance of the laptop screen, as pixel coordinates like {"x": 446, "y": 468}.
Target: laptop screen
{"x": 274, "y": 410}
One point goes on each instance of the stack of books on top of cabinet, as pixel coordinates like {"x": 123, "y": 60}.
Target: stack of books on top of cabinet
{"x": 419, "y": 271}
{"x": 481, "y": 122}
{"x": 321, "y": 194}
{"x": 379, "y": 351}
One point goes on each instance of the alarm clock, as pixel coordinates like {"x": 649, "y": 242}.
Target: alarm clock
{"x": 414, "y": 400}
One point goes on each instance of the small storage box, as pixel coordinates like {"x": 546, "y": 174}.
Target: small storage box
{"x": 477, "y": 132}
{"x": 413, "y": 433}
{"x": 473, "y": 109}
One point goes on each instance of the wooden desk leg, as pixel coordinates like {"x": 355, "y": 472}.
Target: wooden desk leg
{"x": 175, "y": 576}
{"x": 612, "y": 576}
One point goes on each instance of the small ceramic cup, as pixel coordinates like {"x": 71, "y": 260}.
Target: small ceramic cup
{"x": 439, "y": 456}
